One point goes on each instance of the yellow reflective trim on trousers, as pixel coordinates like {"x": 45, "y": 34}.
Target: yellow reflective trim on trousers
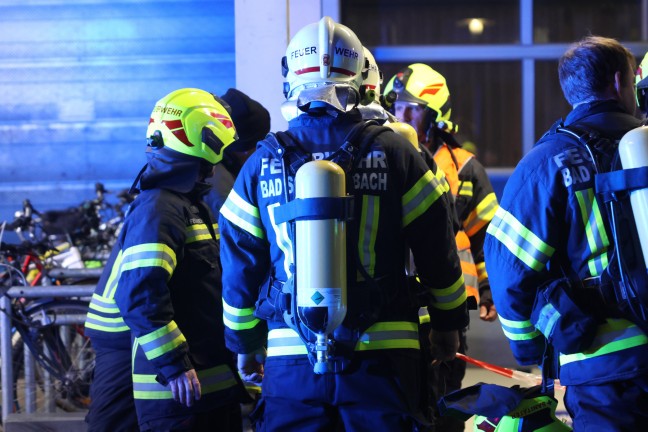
{"x": 510, "y": 223}
{"x": 455, "y": 295}
{"x": 242, "y": 214}
{"x": 421, "y": 196}
{"x": 615, "y": 335}
{"x": 368, "y": 232}
{"x": 481, "y": 215}
{"x": 162, "y": 340}
{"x": 597, "y": 238}
{"x": 239, "y": 319}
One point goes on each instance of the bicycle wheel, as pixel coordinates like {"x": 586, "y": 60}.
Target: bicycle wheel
{"x": 53, "y": 331}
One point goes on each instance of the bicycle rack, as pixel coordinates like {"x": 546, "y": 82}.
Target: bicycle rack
{"x": 80, "y": 291}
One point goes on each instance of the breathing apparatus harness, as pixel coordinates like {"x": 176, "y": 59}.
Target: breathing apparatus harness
{"x": 286, "y": 149}
{"x": 621, "y": 290}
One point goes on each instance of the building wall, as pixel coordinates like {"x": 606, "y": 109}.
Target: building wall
{"x": 78, "y": 80}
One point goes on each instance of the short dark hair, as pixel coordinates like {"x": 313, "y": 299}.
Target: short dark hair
{"x": 589, "y": 65}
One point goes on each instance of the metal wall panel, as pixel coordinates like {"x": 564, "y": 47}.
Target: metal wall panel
{"x": 78, "y": 79}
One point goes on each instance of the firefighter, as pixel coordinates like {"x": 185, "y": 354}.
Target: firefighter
{"x": 372, "y": 380}
{"x": 161, "y": 285}
{"x": 552, "y": 232}
{"x": 423, "y": 101}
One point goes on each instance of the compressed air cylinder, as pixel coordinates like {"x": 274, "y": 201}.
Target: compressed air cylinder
{"x": 633, "y": 151}
{"x": 407, "y": 131}
{"x": 320, "y": 246}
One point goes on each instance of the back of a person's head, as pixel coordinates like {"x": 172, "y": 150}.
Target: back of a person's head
{"x": 251, "y": 119}
{"x": 587, "y": 69}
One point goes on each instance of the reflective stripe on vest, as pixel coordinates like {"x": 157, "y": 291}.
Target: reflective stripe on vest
{"x": 381, "y": 335}
{"x": 443, "y": 159}
{"x": 211, "y": 380}
{"x": 469, "y": 271}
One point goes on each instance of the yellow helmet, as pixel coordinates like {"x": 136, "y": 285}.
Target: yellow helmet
{"x": 641, "y": 83}
{"x": 192, "y": 122}
{"x": 420, "y": 84}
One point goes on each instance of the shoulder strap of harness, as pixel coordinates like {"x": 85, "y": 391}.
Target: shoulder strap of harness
{"x": 623, "y": 282}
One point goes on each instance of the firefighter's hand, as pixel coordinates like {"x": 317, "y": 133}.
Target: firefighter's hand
{"x": 185, "y": 388}
{"x": 487, "y": 312}
{"x": 250, "y": 366}
{"x": 443, "y": 345}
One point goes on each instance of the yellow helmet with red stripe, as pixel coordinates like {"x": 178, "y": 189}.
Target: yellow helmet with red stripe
{"x": 420, "y": 84}
{"x": 193, "y": 122}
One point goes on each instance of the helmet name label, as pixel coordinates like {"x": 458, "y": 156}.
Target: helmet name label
{"x": 303, "y": 51}
{"x": 167, "y": 110}
{"x": 345, "y": 52}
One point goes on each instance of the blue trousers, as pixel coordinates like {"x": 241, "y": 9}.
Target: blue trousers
{"x": 112, "y": 408}
{"x": 617, "y": 406}
{"x": 379, "y": 391}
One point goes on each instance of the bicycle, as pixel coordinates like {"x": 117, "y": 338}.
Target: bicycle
{"x": 92, "y": 226}
{"x": 51, "y": 328}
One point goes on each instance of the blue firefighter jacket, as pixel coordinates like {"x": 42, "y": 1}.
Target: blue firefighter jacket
{"x": 399, "y": 202}
{"x": 550, "y": 225}
{"x": 162, "y": 283}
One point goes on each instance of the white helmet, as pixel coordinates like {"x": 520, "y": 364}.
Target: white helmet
{"x": 322, "y": 61}
{"x": 373, "y": 81}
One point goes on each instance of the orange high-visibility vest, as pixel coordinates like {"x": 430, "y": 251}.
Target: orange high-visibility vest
{"x": 443, "y": 158}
